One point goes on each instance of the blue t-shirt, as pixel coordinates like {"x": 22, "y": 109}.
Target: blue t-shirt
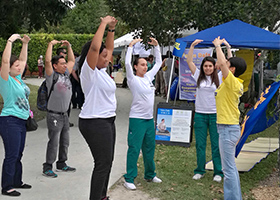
{"x": 15, "y": 97}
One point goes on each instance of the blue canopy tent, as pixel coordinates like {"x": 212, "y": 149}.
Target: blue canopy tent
{"x": 238, "y": 34}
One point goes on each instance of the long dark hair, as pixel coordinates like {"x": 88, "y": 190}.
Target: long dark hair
{"x": 85, "y": 51}
{"x": 214, "y": 75}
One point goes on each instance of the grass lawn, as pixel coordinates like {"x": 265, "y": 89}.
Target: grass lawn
{"x": 175, "y": 166}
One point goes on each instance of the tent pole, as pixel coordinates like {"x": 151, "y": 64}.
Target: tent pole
{"x": 170, "y": 79}
{"x": 261, "y": 79}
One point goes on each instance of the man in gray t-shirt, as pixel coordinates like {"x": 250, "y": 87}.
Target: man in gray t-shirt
{"x": 57, "y": 119}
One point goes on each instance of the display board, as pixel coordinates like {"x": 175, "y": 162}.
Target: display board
{"x": 174, "y": 124}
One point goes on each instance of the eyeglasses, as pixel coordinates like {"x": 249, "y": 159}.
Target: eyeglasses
{"x": 64, "y": 52}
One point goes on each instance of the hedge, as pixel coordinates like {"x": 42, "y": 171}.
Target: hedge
{"x": 39, "y": 42}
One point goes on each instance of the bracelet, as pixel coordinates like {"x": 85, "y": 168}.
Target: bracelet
{"x": 111, "y": 30}
{"x": 217, "y": 46}
{"x": 10, "y": 41}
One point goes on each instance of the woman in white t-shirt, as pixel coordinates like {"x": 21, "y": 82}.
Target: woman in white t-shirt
{"x": 97, "y": 117}
{"x": 208, "y": 80}
{"x": 141, "y": 133}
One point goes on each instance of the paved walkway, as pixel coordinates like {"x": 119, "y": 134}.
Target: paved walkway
{"x": 70, "y": 186}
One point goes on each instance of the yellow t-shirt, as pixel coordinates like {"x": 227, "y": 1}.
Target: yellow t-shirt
{"x": 227, "y": 100}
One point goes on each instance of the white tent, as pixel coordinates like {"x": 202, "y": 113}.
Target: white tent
{"x": 123, "y": 40}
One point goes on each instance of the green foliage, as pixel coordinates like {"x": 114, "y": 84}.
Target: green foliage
{"x": 39, "y": 42}
{"x": 164, "y": 19}
{"x": 273, "y": 57}
{"x": 26, "y": 15}
{"x": 85, "y": 17}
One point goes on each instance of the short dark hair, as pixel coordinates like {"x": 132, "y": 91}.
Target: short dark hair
{"x": 239, "y": 64}
{"x": 59, "y": 50}
{"x": 56, "y": 58}
{"x": 168, "y": 54}
{"x": 13, "y": 59}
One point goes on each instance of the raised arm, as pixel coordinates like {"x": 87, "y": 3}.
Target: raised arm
{"x": 221, "y": 60}
{"x": 5, "y": 64}
{"x": 48, "y": 57}
{"x": 93, "y": 53}
{"x": 229, "y": 54}
{"x": 158, "y": 62}
{"x": 70, "y": 55}
{"x": 190, "y": 56}
{"x": 110, "y": 38}
{"x": 128, "y": 66}
{"x": 23, "y": 53}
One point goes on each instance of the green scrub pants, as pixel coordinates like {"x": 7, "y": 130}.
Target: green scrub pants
{"x": 203, "y": 123}
{"x": 141, "y": 135}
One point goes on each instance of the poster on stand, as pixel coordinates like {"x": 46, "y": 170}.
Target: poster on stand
{"x": 174, "y": 124}
{"x": 187, "y": 84}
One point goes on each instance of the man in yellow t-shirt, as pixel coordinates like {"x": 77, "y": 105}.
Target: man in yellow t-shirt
{"x": 227, "y": 100}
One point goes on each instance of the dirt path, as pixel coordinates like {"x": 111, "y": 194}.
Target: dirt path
{"x": 269, "y": 189}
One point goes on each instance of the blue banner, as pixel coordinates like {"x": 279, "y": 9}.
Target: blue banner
{"x": 187, "y": 83}
{"x": 256, "y": 120}
{"x": 179, "y": 48}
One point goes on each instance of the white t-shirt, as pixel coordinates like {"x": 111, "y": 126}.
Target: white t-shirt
{"x": 142, "y": 88}
{"x": 205, "y": 94}
{"x": 99, "y": 90}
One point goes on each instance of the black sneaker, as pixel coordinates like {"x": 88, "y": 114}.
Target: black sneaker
{"x": 50, "y": 174}
{"x": 14, "y": 193}
{"x": 66, "y": 169}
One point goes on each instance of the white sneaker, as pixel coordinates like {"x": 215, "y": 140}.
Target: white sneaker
{"x": 217, "y": 178}
{"x": 156, "y": 180}
{"x": 129, "y": 186}
{"x": 197, "y": 176}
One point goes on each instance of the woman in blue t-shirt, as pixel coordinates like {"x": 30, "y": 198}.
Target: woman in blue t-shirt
{"x": 14, "y": 115}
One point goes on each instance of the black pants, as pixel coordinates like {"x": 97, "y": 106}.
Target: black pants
{"x": 77, "y": 98}
{"x": 100, "y": 134}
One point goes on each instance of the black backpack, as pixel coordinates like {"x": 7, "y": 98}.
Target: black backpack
{"x": 42, "y": 95}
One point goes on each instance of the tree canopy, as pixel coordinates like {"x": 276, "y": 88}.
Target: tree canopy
{"x": 164, "y": 19}
{"x": 26, "y": 15}
{"x": 85, "y": 17}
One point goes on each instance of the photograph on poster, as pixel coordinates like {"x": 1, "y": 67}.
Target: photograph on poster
{"x": 173, "y": 125}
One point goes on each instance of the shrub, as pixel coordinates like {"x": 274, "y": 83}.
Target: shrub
{"x": 39, "y": 42}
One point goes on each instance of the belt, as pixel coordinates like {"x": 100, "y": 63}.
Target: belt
{"x": 59, "y": 113}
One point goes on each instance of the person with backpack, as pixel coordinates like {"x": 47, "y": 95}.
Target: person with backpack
{"x": 14, "y": 115}
{"x": 57, "y": 106}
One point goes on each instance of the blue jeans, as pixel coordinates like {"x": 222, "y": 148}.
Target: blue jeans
{"x": 228, "y": 137}
{"x": 13, "y": 133}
